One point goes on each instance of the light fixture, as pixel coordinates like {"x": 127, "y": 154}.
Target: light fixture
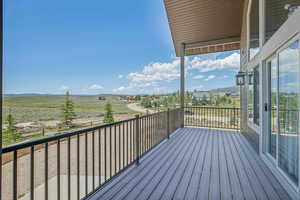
{"x": 240, "y": 78}
{"x": 250, "y": 78}
{"x": 290, "y": 8}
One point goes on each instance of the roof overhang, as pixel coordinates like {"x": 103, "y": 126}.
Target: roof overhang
{"x": 205, "y": 26}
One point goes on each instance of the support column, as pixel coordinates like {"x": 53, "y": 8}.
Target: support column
{"x": 182, "y": 83}
{"x": 1, "y": 98}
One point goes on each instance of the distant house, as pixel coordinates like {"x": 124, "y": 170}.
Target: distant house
{"x": 130, "y": 98}
{"x": 101, "y": 98}
{"x": 154, "y": 97}
{"x": 203, "y": 96}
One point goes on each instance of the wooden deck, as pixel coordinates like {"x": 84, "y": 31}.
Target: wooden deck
{"x": 197, "y": 163}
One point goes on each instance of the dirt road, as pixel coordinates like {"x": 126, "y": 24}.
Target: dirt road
{"x": 138, "y": 108}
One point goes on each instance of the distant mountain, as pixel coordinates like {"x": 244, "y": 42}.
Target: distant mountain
{"x": 27, "y": 95}
{"x": 232, "y": 90}
{"x": 45, "y": 95}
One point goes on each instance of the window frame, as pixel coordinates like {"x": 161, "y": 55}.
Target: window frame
{"x": 248, "y": 25}
{"x": 251, "y": 123}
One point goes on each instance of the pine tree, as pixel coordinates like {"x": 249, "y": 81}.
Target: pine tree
{"x": 67, "y": 112}
{"x": 11, "y": 127}
{"x": 108, "y": 117}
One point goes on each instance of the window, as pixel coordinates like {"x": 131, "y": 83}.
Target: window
{"x": 253, "y": 96}
{"x": 256, "y": 96}
{"x": 254, "y": 29}
{"x": 250, "y": 100}
{"x": 276, "y": 13}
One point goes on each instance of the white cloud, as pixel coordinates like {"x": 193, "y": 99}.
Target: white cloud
{"x": 155, "y": 74}
{"x": 200, "y": 76}
{"x": 199, "y": 87}
{"x": 64, "y": 88}
{"x": 225, "y": 76}
{"x": 120, "y": 76}
{"x": 120, "y": 89}
{"x": 231, "y": 62}
{"x": 210, "y": 77}
{"x": 95, "y": 87}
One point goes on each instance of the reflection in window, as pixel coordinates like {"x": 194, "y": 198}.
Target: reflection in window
{"x": 289, "y": 111}
{"x": 273, "y": 105}
{"x": 277, "y": 12}
{"x": 250, "y": 101}
{"x": 254, "y": 29}
{"x": 256, "y": 96}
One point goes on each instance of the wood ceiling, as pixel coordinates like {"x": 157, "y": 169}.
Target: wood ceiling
{"x": 208, "y": 25}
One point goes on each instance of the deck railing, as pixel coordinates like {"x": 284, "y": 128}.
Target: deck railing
{"x": 74, "y": 165}
{"x": 212, "y": 117}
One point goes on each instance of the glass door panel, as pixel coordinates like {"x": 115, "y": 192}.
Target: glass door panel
{"x": 272, "y": 88}
{"x": 288, "y": 96}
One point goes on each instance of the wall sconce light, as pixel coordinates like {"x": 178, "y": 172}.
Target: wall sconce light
{"x": 290, "y": 8}
{"x": 250, "y": 78}
{"x": 240, "y": 78}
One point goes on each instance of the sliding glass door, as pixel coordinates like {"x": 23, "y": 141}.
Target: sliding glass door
{"x": 282, "y": 110}
{"x": 288, "y": 104}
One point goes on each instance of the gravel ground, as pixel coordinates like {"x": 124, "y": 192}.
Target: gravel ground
{"x": 138, "y": 108}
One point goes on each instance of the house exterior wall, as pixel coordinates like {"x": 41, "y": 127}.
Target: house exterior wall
{"x": 288, "y": 31}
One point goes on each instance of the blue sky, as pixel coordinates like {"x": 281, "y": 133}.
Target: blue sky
{"x": 92, "y": 47}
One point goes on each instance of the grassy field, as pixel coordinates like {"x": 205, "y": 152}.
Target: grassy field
{"x": 41, "y": 108}
{"x": 40, "y": 115}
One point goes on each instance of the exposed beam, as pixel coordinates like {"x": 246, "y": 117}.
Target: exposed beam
{"x": 227, "y": 40}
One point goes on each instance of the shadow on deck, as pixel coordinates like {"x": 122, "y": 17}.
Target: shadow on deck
{"x": 197, "y": 163}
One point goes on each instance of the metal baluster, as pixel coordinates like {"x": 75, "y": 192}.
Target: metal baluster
{"x": 142, "y": 135}
{"x": 99, "y": 152}
{"x": 86, "y": 163}
{"x": 127, "y": 149}
{"x": 115, "y": 146}
{"x": 78, "y": 166}
{"x": 153, "y": 130}
{"x": 93, "y": 160}
{"x": 147, "y": 136}
{"x": 137, "y": 130}
{"x": 168, "y": 123}
{"x": 46, "y": 171}
{"x": 15, "y": 175}
{"x": 119, "y": 136}
{"x": 105, "y": 154}
{"x": 32, "y": 173}
{"x": 110, "y": 153}
{"x": 58, "y": 169}
{"x": 123, "y": 141}
{"x": 69, "y": 167}
{"x": 131, "y": 147}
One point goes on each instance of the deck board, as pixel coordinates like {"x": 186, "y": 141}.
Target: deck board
{"x": 197, "y": 163}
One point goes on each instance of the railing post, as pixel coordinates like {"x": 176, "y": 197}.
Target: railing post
{"x": 137, "y": 136}
{"x": 168, "y": 123}
{"x": 182, "y": 117}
